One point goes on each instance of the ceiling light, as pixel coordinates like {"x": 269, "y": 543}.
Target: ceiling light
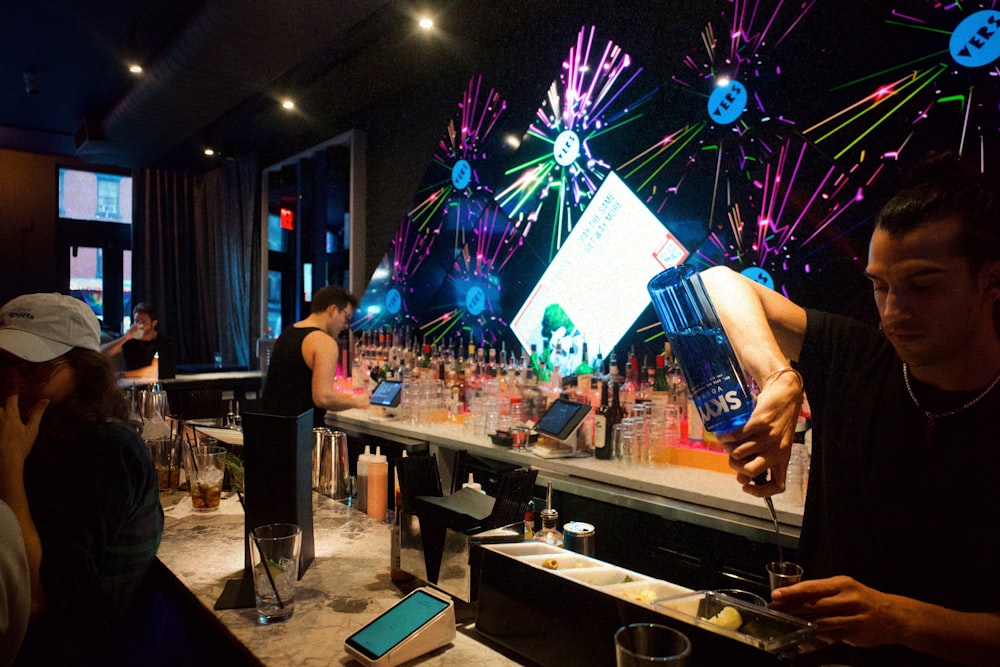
{"x": 287, "y": 104}
{"x": 426, "y": 22}
{"x": 209, "y": 151}
{"x": 135, "y": 68}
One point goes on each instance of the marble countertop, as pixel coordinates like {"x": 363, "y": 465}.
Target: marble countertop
{"x": 346, "y": 586}
{"x": 695, "y": 487}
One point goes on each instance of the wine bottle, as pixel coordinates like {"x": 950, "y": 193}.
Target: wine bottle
{"x": 602, "y": 435}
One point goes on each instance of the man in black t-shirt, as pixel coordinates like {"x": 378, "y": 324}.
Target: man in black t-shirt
{"x": 897, "y": 544}
{"x": 140, "y": 344}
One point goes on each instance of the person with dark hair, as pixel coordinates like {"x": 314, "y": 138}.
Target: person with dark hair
{"x": 78, "y": 478}
{"x": 140, "y": 344}
{"x": 303, "y": 364}
{"x": 897, "y": 540}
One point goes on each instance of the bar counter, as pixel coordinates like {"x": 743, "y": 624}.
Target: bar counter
{"x": 346, "y": 586}
{"x": 702, "y": 497}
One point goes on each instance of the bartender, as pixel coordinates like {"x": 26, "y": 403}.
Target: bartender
{"x": 898, "y": 537}
{"x": 139, "y": 345}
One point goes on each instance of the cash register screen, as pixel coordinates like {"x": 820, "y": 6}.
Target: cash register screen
{"x": 392, "y": 627}
{"x": 562, "y": 418}
{"x": 387, "y": 394}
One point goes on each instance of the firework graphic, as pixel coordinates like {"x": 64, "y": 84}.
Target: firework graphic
{"x": 482, "y": 282}
{"x": 564, "y": 155}
{"x": 452, "y": 196}
{"x": 738, "y": 182}
{"x": 938, "y": 87}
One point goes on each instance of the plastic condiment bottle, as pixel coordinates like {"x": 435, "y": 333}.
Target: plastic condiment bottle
{"x": 378, "y": 485}
{"x": 473, "y": 484}
{"x": 363, "y": 461}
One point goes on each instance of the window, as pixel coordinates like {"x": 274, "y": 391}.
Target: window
{"x": 91, "y": 195}
{"x": 95, "y": 233}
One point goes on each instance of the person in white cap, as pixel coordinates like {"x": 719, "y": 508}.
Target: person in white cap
{"x": 76, "y": 475}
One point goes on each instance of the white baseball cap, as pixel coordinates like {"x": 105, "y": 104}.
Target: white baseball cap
{"x": 41, "y": 327}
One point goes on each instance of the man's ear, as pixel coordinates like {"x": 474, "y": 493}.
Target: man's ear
{"x": 991, "y": 279}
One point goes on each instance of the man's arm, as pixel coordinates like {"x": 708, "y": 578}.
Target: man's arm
{"x": 846, "y": 610}
{"x": 115, "y": 346}
{"x": 766, "y": 331}
{"x": 321, "y": 353}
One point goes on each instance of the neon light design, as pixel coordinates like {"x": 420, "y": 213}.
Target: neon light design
{"x": 452, "y": 197}
{"x": 563, "y": 164}
{"x": 947, "y": 77}
{"x": 738, "y": 174}
{"x": 470, "y": 301}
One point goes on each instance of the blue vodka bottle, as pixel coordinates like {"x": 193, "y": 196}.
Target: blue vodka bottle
{"x": 714, "y": 375}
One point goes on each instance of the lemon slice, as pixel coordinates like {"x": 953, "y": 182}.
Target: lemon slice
{"x": 272, "y": 567}
{"x": 728, "y": 617}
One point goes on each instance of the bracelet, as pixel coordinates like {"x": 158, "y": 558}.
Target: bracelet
{"x": 776, "y": 373}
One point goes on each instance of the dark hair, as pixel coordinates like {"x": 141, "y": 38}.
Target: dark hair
{"x": 148, "y": 308}
{"x": 943, "y": 187}
{"x": 332, "y": 295}
{"x": 96, "y": 398}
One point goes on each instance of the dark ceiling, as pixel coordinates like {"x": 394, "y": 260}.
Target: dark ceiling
{"x": 214, "y": 72}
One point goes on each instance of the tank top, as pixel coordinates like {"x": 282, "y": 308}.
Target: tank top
{"x": 288, "y": 387}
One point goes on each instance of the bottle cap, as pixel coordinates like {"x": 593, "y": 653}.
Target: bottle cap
{"x": 473, "y": 484}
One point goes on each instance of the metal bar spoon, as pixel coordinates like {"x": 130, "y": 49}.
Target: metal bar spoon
{"x": 762, "y": 479}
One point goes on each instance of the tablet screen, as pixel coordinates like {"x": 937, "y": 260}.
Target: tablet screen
{"x": 387, "y": 394}
{"x": 393, "y": 626}
{"x": 561, "y": 418}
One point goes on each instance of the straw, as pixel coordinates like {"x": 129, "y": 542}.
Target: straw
{"x": 263, "y": 558}
{"x": 194, "y": 461}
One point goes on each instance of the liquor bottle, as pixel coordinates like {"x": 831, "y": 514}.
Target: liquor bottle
{"x": 616, "y": 412}
{"x": 602, "y": 435}
{"x": 660, "y": 382}
{"x": 714, "y": 376}
{"x": 529, "y": 521}
{"x": 584, "y": 372}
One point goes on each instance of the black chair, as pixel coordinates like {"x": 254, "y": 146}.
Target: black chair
{"x": 515, "y": 491}
{"x": 458, "y": 475}
{"x": 418, "y": 476}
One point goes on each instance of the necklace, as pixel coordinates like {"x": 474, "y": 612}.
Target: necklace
{"x": 931, "y": 416}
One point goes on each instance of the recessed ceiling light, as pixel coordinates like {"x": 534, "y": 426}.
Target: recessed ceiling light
{"x": 209, "y": 151}
{"x": 426, "y": 23}
{"x": 135, "y": 68}
{"x": 287, "y": 104}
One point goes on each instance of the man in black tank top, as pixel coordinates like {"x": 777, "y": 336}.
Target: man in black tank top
{"x": 303, "y": 363}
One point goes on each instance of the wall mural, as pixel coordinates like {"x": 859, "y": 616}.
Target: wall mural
{"x": 762, "y": 150}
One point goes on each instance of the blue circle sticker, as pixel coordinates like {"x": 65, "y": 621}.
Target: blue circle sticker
{"x": 566, "y": 148}
{"x": 393, "y": 301}
{"x": 727, "y": 102}
{"x": 976, "y": 40}
{"x": 461, "y": 174}
{"x": 759, "y": 275}
{"x": 475, "y": 300}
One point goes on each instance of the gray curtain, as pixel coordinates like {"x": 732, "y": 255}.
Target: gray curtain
{"x": 195, "y": 241}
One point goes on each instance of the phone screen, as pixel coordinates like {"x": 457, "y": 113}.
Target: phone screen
{"x": 392, "y": 627}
